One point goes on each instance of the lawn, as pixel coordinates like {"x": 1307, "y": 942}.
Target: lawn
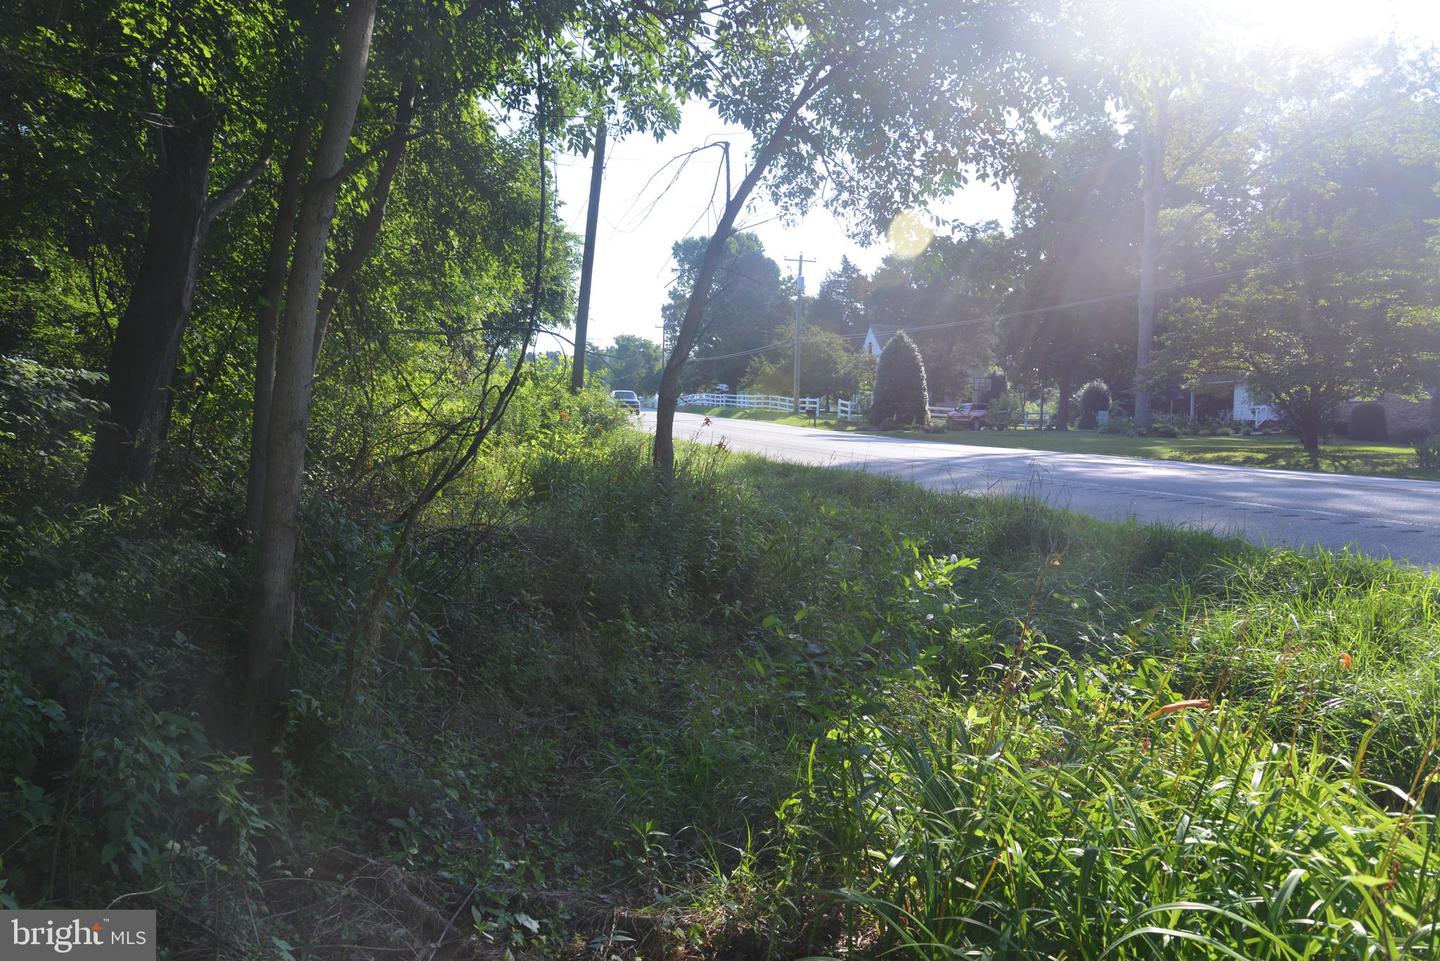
{"x": 1275, "y": 451}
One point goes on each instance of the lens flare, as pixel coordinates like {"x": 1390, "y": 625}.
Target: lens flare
{"x": 909, "y": 234}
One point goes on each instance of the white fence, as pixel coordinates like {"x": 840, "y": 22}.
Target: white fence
{"x": 847, "y": 410}
{"x": 776, "y": 402}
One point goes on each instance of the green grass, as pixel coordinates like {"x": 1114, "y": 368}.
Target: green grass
{"x": 1279, "y": 452}
{"x": 778, "y": 709}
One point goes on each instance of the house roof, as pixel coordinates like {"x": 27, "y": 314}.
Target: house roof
{"x": 883, "y": 333}
{"x": 1218, "y": 380}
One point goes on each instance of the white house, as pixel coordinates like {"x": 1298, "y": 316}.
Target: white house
{"x": 1247, "y": 408}
{"x": 1244, "y": 407}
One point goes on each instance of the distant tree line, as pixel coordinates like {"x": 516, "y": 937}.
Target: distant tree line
{"x": 1276, "y": 228}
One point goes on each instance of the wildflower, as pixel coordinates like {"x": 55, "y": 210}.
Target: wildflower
{"x": 1346, "y": 661}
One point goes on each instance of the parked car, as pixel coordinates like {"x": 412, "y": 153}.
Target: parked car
{"x": 627, "y": 398}
{"x": 967, "y": 416}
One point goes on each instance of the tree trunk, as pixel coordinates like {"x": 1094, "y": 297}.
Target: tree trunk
{"x": 369, "y": 229}
{"x": 1062, "y": 405}
{"x": 587, "y": 261}
{"x": 1308, "y": 415}
{"x": 271, "y": 294}
{"x": 663, "y": 455}
{"x": 1152, "y": 152}
{"x": 273, "y": 602}
{"x": 147, "y": 339}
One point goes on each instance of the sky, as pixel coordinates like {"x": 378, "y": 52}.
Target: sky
{"x": 642, "y": 213}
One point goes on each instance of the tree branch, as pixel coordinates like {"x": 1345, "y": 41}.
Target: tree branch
{"x": 370, "y": 227}
{"x": 228, "y": 197}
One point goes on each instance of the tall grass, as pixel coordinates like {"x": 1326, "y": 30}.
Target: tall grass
{"x": 1080, "y": 818}
{"x": 579, "y": 659}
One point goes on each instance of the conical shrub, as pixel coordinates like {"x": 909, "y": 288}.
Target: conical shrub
{"x": 901, "y": 396}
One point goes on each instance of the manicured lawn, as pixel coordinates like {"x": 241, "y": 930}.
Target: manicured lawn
{"x": 1282, "y": 452}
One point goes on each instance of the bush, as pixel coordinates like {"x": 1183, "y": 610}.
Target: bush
{"x": 901, "y": 395}
{"x": 1427, "y": 453}
{"x": 1092, "y": 397}
{"x": 1367, "y": 422}
{"x": 1118, "y": 424}
{"x": 1163, "y": 429}
{"x": 45, "y": 414}
{"x": 1005, "y": 410}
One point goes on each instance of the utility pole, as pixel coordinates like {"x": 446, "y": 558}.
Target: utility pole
{"x": 799, "y": 317}
{"x": 587, "y": 261}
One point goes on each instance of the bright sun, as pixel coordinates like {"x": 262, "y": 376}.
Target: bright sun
{"x": 1328, "y": 24}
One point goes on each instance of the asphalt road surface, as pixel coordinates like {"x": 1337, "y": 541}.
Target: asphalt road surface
{"x": 1382, "y": 517}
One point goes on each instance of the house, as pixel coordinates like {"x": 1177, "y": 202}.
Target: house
{"x": 1240, "y": 404}
{"x": 876, "y": 337}
{"x": 1404, "y": 417}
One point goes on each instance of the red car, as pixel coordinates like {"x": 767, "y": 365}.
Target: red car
{"x": 967, "y": 416}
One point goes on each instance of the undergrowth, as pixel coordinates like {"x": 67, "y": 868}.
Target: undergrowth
{"x": 770, "y": 710}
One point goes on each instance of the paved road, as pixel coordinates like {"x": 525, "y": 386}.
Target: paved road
{"x": 1379, "y": 516}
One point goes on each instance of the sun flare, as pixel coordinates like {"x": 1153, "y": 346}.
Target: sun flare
{"x": 1321, "y": 25}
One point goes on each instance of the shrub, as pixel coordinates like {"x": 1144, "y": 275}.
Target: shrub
{"x": 45, "y": 413}
{"x": 1367, "y": 422}
{"x": 1427, "y": 453}
{"x": 1092, "y": 397}
{"x": 1164, "y": 429}
{"x": 1118, "y": 424}
{"x": 1005, "y": 410}
{"x": 901, "y": 394}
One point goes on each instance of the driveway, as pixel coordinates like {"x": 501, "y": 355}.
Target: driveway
{"x": 1382, "y": 517}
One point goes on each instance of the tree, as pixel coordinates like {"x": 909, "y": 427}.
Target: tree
{"x": 1338, "y": 287}
{"x": 829, "y": 366}
{"x": 872, "y": 95}
{"x": 131, "y": 106}
{"x": 901, "y": 395}
{"x": 946, "y": 299}
{"x": 631, "y": 363}
{"x": 271, "y": 612}
{"x": 610, "y": 52}
{"x": 840, "y": 305}
{"x": 1308, "y": 345}
{"x": 1184, "y": 92}
{"x": 748, "y": 300}
{"x": 1075, "y": 239}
